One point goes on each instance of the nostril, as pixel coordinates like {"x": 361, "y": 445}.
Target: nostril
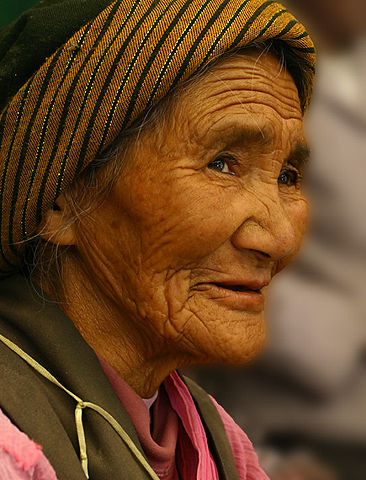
{"x": 260, "y": 253}
{"x": 271, "y": 240}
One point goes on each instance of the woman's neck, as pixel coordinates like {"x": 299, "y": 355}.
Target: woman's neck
{"x": 142, "y": 362}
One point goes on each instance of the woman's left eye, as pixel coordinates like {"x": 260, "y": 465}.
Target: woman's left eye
{"x": 221, "y": 164}
{"x": 289, "y": 177}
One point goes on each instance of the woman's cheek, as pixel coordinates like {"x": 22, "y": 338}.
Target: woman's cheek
{"x": 298, "y": 212}
{"x": 301, "y": 216}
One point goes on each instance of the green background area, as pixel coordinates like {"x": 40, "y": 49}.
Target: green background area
{"x": 11, "y": 9}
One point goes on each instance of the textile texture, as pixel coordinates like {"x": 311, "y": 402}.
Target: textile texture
{"x": 106, "y": 75}
{"x": 22, "y": 459}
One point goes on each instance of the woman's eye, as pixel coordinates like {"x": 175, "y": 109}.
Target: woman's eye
{"x": 289, "y": 177}
{"x": 221, "y": 164}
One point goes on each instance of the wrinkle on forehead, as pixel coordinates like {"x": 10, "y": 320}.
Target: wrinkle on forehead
{"x": 243, "y": 84}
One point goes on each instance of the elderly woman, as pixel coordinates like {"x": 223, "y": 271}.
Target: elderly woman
{"x": 151, "y": 159}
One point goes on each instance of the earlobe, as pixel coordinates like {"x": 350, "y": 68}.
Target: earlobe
{"x": 57, "y": 226}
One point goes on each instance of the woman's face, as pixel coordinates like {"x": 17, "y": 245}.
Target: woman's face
{"x": 207, "y": 209}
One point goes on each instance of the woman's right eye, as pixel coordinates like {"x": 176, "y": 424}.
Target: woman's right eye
{"x": 221, "y": 164}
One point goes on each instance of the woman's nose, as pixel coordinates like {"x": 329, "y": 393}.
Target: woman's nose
{"x": 270, "y": 230}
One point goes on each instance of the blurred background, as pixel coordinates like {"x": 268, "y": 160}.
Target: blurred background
{"x": 303, "y": 401}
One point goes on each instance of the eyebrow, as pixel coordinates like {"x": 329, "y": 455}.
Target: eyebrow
{"x": 299, "y": 156}
{"x": 242, "y": 135}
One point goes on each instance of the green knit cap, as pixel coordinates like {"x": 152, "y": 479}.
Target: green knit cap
{"x": 75, "y": 73}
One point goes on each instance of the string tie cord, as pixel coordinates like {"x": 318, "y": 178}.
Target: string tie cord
{"x": 80, "y": 406}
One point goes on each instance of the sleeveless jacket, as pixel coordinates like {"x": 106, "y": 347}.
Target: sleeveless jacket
{"x": 46, "y": 413}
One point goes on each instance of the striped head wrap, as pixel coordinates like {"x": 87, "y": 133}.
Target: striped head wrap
{"x": 112, "y": 62}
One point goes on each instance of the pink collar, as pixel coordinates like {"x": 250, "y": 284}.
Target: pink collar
{"x": 173, "y": 434}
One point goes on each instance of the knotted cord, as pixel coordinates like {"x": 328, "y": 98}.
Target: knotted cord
{"x": 80, "y": 405}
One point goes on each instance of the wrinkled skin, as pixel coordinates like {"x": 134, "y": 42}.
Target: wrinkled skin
{"x": 208, "y": 197}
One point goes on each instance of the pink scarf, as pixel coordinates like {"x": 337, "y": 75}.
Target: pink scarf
{"x": 171, "y": 434}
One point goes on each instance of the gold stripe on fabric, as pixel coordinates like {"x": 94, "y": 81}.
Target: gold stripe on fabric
{"x": 272, "y": 28}
{"x": 76, "y": 130}
{"x": 149, "y": 31}
{"x": 57, "y": 112}
{"x": 45, "y": 130}
{"x": 172, "y": 50}
{"x": 88, "y": 90}
{"x": 158, "y": 60}
{"x": 120, "y": 91}
{"x": 82, "y": 70}
{"x": 20, "y": 109}
{"x": 37, "y": 148}
{"x": 196, "y": 58}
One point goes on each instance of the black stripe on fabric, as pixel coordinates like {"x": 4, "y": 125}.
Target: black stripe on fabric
{"x": 94, "y": 115}
{"x": 21, "y": 159}
{"x": 250, "y": 22}
{"x": 44, "y": 130}
{"x": 6, "y": 166}
{"x": 271, "y": 21}
{"x": 25, "y": 141}
{"x": 197, "y": 42}
{"x": 224, "y": 30}
{"x": 66, "y": 110}
{"x": 2, "y": 127}
{"x": 302, "y": 35}
{"x": 305, "y": 49}
{"x": 286, "y": 29}
{"x": 173, "y": 51}
{"x": 144, "y": 73}
{"x": 105, "y": 87}
{"x": 2, "y": 122}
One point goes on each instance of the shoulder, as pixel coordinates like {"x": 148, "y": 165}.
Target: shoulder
{"x": 20, "y": 457}
{"x": 245, "y": 457}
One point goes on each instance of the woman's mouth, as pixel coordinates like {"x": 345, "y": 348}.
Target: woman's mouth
{"x": 236, "y": 296}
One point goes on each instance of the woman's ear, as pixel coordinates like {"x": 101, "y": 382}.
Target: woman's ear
{"x": 57, "y": 226}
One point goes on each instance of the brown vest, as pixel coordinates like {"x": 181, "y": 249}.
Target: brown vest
{"x": 46, "y": 413}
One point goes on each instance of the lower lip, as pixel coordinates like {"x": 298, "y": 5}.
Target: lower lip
{"x": 238, "y": 300}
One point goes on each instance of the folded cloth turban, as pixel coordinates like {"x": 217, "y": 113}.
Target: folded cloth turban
{"x": 75, "y": 73}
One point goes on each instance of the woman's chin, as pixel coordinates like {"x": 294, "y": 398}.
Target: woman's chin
{"x": 235, "y": 343}
{"x": 242, "y": 353}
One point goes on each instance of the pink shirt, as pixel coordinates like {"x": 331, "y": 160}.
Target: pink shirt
{"x": 176, "y": 439}
{"x": 20, "y": 458}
